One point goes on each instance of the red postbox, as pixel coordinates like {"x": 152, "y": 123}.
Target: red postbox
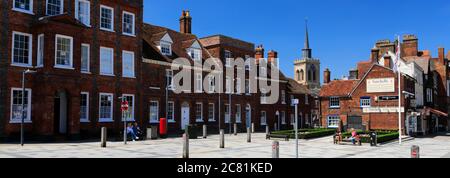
{"x": 163, "y": 127}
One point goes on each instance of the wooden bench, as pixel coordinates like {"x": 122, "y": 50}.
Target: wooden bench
{"x": 348, "y": 140}
{"x": 285, "y": 137}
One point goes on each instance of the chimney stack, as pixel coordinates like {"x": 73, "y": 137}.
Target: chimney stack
{"x": 441, "y": 53}
{"x": 272, "y": 57}
{"x": 186, "y": 22}
{"x": 387, "y": 61}
{"x": 326, "y": 76}
{"x": 259, "y": 53}
{"x": 410, "y": 45}
{"x": 353, "y": 74}
{"x": 375, "y": 54}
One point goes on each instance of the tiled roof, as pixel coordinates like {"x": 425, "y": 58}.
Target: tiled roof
{"x": 181, "y": 41}
{"x": 338, "y": 88}
{"x": 297, "y": 88}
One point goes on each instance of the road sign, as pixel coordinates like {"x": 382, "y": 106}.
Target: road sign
{"x": 124, "y": 106}
{"x": 295, "y": 102}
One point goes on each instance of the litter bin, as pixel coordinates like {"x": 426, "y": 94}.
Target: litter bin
{"x": 163, "y": 128}
{"x": 152, "y": 133}
{"x": 373, "y": 139}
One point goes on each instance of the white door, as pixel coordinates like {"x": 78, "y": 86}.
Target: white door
{"x": 184, "y": 117}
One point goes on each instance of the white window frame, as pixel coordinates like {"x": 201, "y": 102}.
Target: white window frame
{"x": 263, "y": 96}
{"x": 23, "y": 10}
{"x": 133, "y": 33}
{"x": 112, "y": 18}
{"x": 213, "y": 112}
{"x": 197, "y": 54}
{"x": 199, "y": 83}
{"x": 85, "y": 120}
{"x": 170, "y": 84}
{"x": 157, "y": 112}
{"x": 173, "y": 112}
{"x": 70, "y": 55}
{"x": 365, "y": 102}
{"x": 28, "y": 118}
{"x": 163, "y": 44}
{"x": 132, "y": 62}
{"x": 238, "y": 114}
{"x": 88, "y": 58}
{"x": 61, "y": 7}
{"x": 331, "y": 105}
{"x": 131, "y": 106}
{"x": 77, "y": 11}
{"x": 112, "y": 108}
{"x": 40, "y": 50}
{"x": 283, "y": 96}
{"x": 212, "y": 84}
{"x": 283, "y": 117}
{"x": 112, "y": 61}
{"x": 30, "y": 49}
{"x": 333, "y": 119}
{"x": 238, "y": 86}
{"x": 227, "y": 114}
{"x": 263, "y": 118}
{"x": 228, "y": 85}
{"x": 201, "y": 112}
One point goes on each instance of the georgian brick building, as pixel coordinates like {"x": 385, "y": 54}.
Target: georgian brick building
{"x": 84, "y": 57}
{"x": 368, "y": 99}
{"x": 88, "y": 56}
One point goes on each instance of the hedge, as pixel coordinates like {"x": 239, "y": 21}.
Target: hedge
{"x": 307, "y": 133}
{"x": 383, "y": 136}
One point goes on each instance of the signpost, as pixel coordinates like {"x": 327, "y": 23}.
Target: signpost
{"x": 295, "y": 103}
{"x": 124, "y": 107}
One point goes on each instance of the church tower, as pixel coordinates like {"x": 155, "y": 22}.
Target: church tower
{"x": 307, "y": 69}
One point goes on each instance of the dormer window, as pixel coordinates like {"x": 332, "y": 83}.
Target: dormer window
{"x": 166, "y": 48}
{"x": 165, "y": 45}
{"x": 195, "y": 52}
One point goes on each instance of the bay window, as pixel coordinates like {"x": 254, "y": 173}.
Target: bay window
{"x": 63, "y": 51}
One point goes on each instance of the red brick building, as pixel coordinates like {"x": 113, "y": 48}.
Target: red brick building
{"x": 88, "y": 56}
{"x": 84, "y": 54}
{"x": 368, "y": 98}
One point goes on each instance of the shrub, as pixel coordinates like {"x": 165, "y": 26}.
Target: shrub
{"x": 307, "y": 133}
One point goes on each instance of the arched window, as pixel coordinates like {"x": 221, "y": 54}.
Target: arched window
{"x": 312, "y": 73}
{"x": 301, "y": 76}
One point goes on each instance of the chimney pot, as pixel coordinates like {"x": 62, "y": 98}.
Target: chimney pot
{"x": 327, "y": 76}
{"x": 186, "y": 22}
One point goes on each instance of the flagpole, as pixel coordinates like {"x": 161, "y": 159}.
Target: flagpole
{"x": 399, "y": 93}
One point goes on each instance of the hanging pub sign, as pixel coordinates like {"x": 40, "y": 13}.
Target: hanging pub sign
{"x": 387, "y": 98}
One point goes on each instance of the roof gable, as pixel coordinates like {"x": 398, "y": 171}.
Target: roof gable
{"x": 167, "y": 38}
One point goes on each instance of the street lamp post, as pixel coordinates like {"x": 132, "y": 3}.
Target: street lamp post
{"x": 28, "y": 71}
{"x": 295, "y": 102}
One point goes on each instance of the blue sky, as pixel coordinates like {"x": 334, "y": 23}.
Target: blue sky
{"x": 342, "y": 32}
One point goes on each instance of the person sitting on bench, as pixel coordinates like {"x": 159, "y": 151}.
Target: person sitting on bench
{"x": 137, "y": 130}
{"x": 130, "y": 131}
{"x": 355, "y": 137}
{"x": 338, "y": 137}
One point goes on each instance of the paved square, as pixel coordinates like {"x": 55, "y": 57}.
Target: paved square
{"x": 235, "y": 147}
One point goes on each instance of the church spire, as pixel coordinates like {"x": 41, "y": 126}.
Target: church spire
{"x": 306, "y": 35}
{"x": 307, "y": 52}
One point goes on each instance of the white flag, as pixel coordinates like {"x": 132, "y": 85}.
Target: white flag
{"x": 398, "y": 55}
